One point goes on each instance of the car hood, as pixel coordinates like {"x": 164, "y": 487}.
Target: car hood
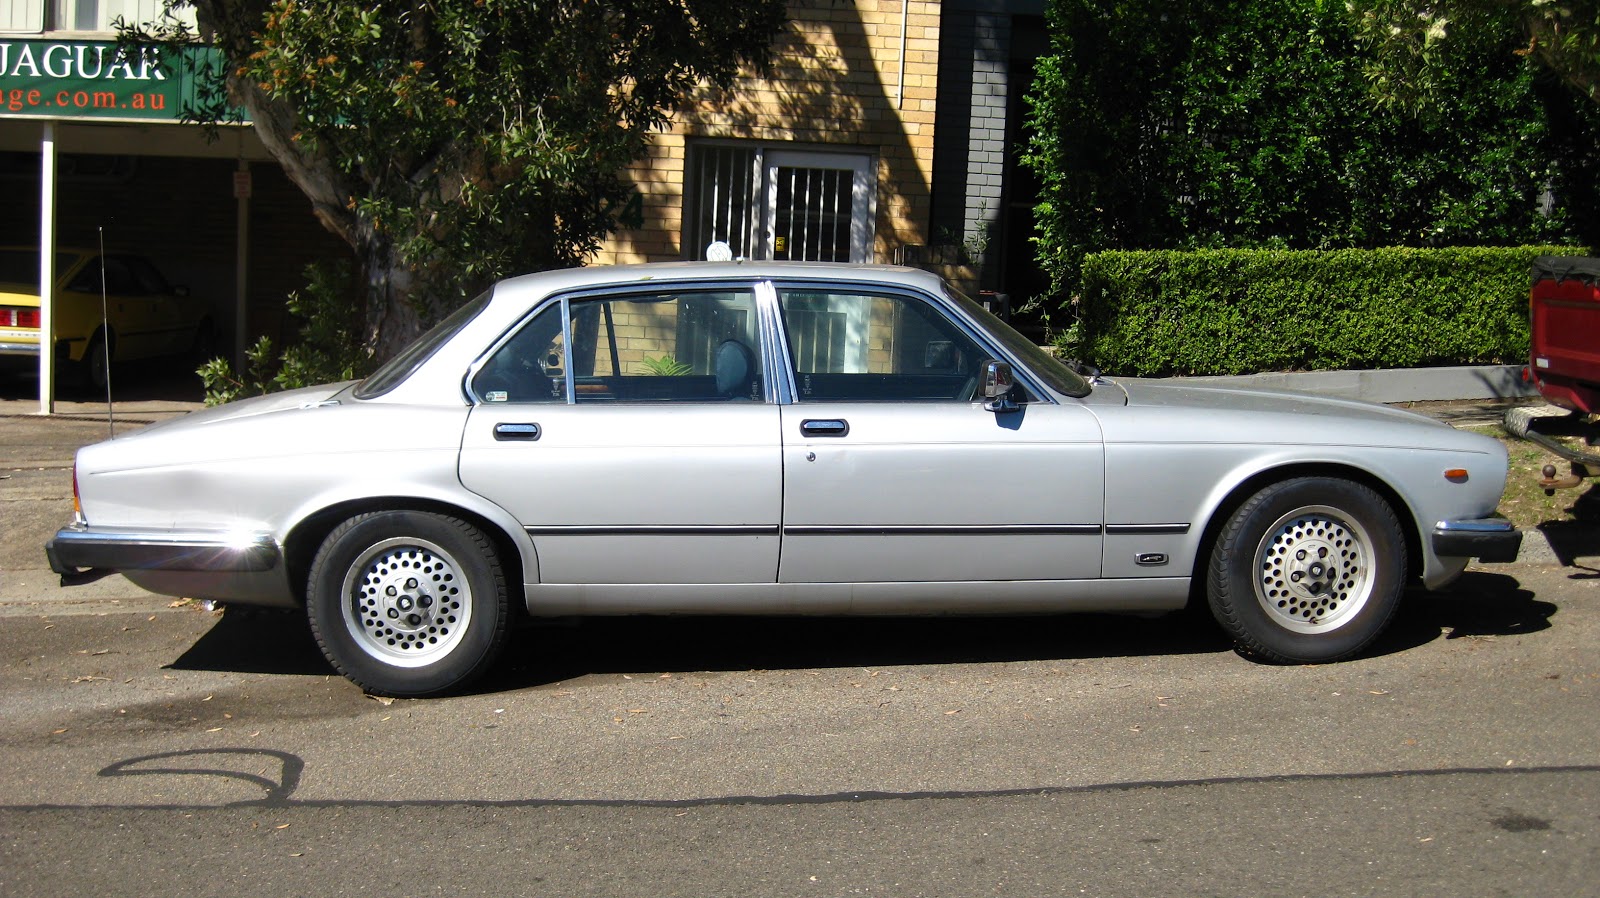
{"x": 1163, "y": 394}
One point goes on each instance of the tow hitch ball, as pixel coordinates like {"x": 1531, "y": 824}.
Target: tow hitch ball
{"x": 1550, "y": 482}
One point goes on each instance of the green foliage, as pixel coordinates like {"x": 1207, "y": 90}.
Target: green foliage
{"x": 1188, "y": 124}
{"x": 1411, "y": 42}
{"x": 327, "y": 351}
{"x": 451, "y": 142}
{"x": 224, "y": 385}
{"x": 1164, "y": 313}
{"x": 666, "y": 366}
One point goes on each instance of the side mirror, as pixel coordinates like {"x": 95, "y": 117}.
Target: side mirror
{"x": 997, "y": 384}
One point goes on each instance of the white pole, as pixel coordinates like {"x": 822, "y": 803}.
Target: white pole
{"x": 900, "y": 89}
{"x": 47, "y": 268}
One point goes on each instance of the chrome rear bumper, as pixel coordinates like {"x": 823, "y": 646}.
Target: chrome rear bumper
{"x": 81, "y": 547}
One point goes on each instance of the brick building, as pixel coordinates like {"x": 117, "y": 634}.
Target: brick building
{"x": 886, "y": 131}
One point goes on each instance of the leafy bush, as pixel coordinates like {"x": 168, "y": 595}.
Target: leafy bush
{"x": 1195, "y": 124}
{"x": 1167, "y": 313}
{"x": 329, "y": 349}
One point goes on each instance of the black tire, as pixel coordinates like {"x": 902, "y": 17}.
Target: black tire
{"x": 408, "y": 603}
{"x": 1308, "y": 570}
{"x": 95, "y": 368}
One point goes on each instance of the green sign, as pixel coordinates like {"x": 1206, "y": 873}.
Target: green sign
{"x": 92, "y": 80}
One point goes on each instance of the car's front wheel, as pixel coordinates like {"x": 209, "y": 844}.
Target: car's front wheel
{"x": 1308, "y": 570}
{"x": 408, "y": 603}
{"x": 96, "y": 369}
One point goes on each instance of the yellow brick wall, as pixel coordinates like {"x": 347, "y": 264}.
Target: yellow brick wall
{"x": 835, "y": 80}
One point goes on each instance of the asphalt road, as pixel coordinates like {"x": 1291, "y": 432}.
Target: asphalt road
{"x": 181, "y": 752}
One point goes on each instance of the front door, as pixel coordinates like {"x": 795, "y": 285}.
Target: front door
{"x": 634, "y": 438}
{"x": 892, "y": 472}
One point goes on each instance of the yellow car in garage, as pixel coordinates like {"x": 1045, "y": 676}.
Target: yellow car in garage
{"x": 118, "y": 301}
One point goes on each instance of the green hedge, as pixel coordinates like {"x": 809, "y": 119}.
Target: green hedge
{"x": 1168, "y": 313}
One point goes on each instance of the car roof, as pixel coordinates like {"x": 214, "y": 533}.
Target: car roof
{"x": 668, "y": 272}
{"x": 513, "y": 297}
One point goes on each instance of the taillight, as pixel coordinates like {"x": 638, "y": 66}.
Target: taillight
{"x": 19, "y": 317}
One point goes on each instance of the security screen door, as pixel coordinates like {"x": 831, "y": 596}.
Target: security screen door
{"x": 818, "y": 207}
{"x": 784, "y": 205}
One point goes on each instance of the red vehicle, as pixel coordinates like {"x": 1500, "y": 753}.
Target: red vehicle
{"x": 1564, "y": 363}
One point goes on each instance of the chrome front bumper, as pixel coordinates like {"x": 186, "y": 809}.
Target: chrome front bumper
{"x": 1492, "y": 540}
{"x": 80, "y": 547}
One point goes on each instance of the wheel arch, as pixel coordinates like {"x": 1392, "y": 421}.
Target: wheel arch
{"x": 307, "y": 536}
{"x": 1241, "y": 492}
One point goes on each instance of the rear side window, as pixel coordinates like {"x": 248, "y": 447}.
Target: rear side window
{"x": 685, "y": 346}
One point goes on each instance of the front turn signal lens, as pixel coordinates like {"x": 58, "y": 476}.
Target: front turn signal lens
{"x": 1456, "y": 475}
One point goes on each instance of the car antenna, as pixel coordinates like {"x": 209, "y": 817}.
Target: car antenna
{"x": 105, "y": 337}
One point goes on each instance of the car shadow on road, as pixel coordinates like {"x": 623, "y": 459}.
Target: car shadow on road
{"x": 249, "y": 640}
{"x": 548, "y": 653}
{"x": 246, "y": 640}
{"x": 257, "y": 640}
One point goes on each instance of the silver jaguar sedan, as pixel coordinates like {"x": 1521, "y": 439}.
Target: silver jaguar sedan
{"x": 774, "y": 439}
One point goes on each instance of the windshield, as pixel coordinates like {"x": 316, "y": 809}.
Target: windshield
{"x": 1056, "y": 376}
{"x": 397, "y": 369}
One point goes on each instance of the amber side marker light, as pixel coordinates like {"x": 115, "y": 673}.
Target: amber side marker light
{"x": 1456, "y": 475}
{"x": 77, "y": 504}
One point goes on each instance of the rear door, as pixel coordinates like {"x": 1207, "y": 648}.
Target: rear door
{"x": 634, "y": 437}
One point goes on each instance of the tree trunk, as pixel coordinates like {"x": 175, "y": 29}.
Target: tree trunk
{"x": 393, "y": 318}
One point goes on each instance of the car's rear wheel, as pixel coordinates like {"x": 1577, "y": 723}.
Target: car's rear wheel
{"x": 408, "y": 603}
{"x": 1308, "y": 570}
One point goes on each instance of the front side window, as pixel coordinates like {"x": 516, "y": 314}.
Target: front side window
{"x": 694, "y": 346}
{"x": 849, "y": 346}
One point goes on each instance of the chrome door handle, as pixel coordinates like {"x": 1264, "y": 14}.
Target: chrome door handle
{"x": 825, "y": 427}
{"x": 527, "y": 432}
